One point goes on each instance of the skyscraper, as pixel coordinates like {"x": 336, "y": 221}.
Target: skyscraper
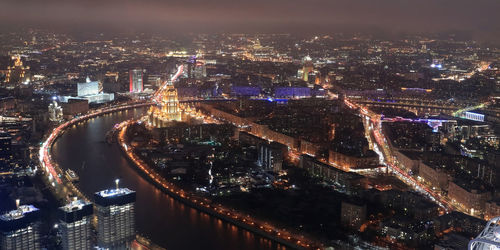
{"x": 20, "y": 228}
{"x": 136, "y": 77}
{"x": 18, "y": 72}
{"x": 74, "y": 221}
{"x": 115, "y": 217}
{"x": 167, "y": 108}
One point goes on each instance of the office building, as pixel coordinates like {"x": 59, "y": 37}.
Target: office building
{"x": 5, "y": 151}
{"x": 75, "y": 107}
{"x": 92, "y": 91}
{"x": 88, "y": 88}
{"x": 74, "y": 222}
{"x": 271, "y": 156}
{"x": 19, "y": 228}
{"x": 115, "y": 217}
{"x": 136, "y": 78}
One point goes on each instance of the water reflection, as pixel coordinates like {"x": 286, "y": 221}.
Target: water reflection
{"x": 166, "y": 221}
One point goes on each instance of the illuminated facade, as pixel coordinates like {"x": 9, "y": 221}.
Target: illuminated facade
{"x": 115, "y": 218}
{"x": 20, "y": 228}
{"x": 75, "y": 223}
{"x": 307, "y": 68}
{"x": 17, "y": 72}
{"x": 136, "y": 80}
{"x": 55, "y": 112}
{"x": 167, "y": 108}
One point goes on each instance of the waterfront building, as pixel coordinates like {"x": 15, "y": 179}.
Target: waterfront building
{"x": 19, "y": 228}
{"x": 167, "y": 109}
{"x": 92, "y": 91}
{"x": 115, "y": 217}
{"x": 75, "y": 223}
{"x": 74, "y": 107}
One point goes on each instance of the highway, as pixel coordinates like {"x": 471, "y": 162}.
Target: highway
{"x": 45, "y": 158}
{"x": 283, "y": 236}
{"x": 376, "y": 131}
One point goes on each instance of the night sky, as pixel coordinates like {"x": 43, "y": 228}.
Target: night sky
{"x": 309, "y": 16}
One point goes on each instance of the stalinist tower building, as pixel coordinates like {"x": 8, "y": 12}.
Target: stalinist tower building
{"x": 166, "y": 108}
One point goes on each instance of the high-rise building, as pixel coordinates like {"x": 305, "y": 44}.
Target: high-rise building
{"x": 55, "y": 111}
{"x": 136, "y": 80}
{"x": 88, "y": 88}
{"x": 18, "y": 72}
{"x": 115, "y": 217}
{"x": 307, "y": 68}
{"x": 5, "y": 151}
{"x": 271, "y": 156}
{"x": 19, "y": 228}
{"x": 74, "y": 222}
{"x": 167, "y": 108}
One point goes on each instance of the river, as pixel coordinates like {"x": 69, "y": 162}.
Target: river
{"x": 167, "y": 222}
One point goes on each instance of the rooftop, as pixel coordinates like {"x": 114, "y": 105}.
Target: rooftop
{"x": 18, "y": 213}
{"x": 75, "y": 205}
{"x": 116, "y": 192}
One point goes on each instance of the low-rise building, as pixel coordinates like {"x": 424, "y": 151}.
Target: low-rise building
{"x": 433, "y": 175}
{"x": 74, "y": 107}
{"x": 492, "y": 209}
{"x": 472, "y": 195}
{"x": 348, "y": 162}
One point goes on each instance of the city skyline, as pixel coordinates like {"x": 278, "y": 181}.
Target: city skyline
{"x": 270, "y": 125}
{"x": 476, "y": 19}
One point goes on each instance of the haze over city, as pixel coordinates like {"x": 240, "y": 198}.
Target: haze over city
{"x": 479, "y": 18}
{"x": 282, "y": 124}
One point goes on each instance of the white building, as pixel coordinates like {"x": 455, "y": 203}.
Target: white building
{"x": 75, "y": 223}
{"x": 19, "y": 228}
{"x": 115, "y": 217}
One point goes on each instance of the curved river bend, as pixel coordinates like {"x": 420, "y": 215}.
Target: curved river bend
{"x": 167, "y": 222}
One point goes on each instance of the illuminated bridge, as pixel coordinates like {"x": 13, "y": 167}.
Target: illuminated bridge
{"x": 489, "y": 238}
{"x": 417, "y": 107}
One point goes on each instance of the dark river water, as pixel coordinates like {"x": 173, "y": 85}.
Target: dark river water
{"x": 165, "y": 221}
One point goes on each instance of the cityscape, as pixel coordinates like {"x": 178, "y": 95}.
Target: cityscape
{"x": 249, "y": 137}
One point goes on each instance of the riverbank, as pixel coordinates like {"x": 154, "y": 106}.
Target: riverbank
{"x": 207, "y": 206}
